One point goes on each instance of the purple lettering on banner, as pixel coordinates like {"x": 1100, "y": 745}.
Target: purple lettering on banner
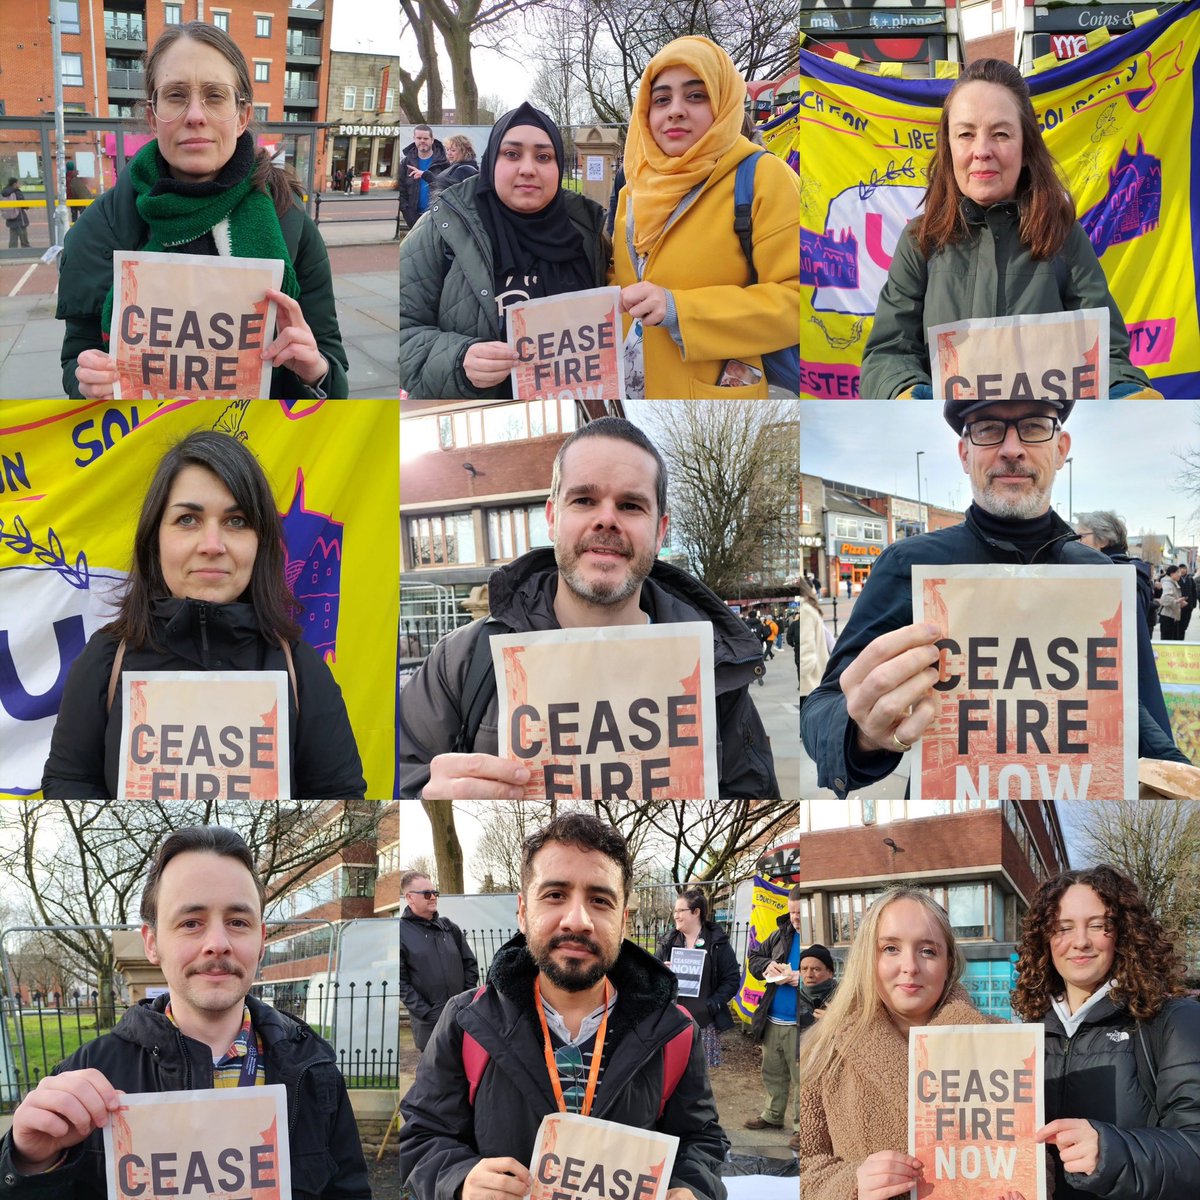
{"x": 827, "y": 262}
{"x": 1151, "y": 342}
{"x": 1132, "y": 205}
{"x": 829, "y": 381}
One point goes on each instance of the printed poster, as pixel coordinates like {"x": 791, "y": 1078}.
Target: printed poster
{"x": 688, "y": 966}
{"x": 1038, "y": 691}
{"x": 1177, "y": 662}
{"x": 192, "y": 326}
{"x": 1046, "y": 356}
{"x": 581, "y": 1158}
{"x": 975, "y": 1100}
{"x": 624, "y": 712}
{"x": 205, "y": 735}
{"x": 768, "y": 902}
{"x": 569, "y": 346}
{"x": 216, "y": 1144}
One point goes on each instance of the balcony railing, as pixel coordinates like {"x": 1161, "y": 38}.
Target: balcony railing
{"x": 127, "y": 79}
{"x": 306, "y": 90}
{"x": 304, "y": 47}
{"x": 125, "y": 31}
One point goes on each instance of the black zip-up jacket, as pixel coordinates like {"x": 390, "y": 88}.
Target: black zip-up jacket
{"x": 84, "y": 762}
{"x": 828, "y": 733}
{"x": 410, "y": 189}
{"x": 521, "y": 595}
{"x": 718, "y": 984}
{"x": 776, "y": 948}
{"x": 443, "y": 1136}
{"x": 1149, "y": 1145}
{"x": 435, "y": 963}
{"x": 146, "y": 1053}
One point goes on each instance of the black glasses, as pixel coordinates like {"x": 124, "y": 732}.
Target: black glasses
{"x": 428, "y": 893}
{"x": 993, "y": 431}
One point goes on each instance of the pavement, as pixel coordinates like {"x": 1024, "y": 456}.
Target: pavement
{"x": 366, "y": 284}
{"x": 776, "y": 701}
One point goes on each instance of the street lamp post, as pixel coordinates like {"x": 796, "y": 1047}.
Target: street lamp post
{"x": 1172, "y": 520}
{"x": 1070, "y": 490}
{"x": 919, "y": 453}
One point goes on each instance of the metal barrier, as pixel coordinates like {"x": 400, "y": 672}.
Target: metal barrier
{"x": 428, "y": 611}
{"x": 360, "y": 199}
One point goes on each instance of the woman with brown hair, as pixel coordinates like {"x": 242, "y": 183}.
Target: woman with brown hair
{"x": 997, "y": 237}
{"x": 1122, "y": 1047}
{"x": 460, "y": 164}
{"x": 202, "y": 187}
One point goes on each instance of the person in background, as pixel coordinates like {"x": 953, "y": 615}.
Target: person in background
{"x": 422, "y": 159}
{"x": 806, "y": 636}
{"x": 1171, "y": 606}
{"x": 16, "y": 219}
{"x": 460, "y": 164}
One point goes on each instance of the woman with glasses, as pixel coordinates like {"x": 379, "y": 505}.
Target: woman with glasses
{"x": 997, "y": 237}
{"x": 201, "y": 187}
{"x": 1122, "y": 1046}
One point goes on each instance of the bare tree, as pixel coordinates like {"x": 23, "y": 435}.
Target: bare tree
{"x": 1189, "y": 477}
{"x": 734, "y": 474}
{"x": 505, "y": 826}
{"x": 447, "y": 849}
{"x": 429, "y": 75}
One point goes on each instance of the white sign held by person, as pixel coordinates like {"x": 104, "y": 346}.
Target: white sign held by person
{"x": 216, "y": 1144}
{"x": 623, "y": 712}
{"x": 1044, "y": 356}
{"x": 688, "y": 966}
{"x": 582, "y": 1158}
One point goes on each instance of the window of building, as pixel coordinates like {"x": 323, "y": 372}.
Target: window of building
{"x": 846, "y": 911}
{"x": 389, "y": 97}
{"x": 221, "y": 21}
{"x": 72, "y": 70}
{"x": 120, "y": 110}
{"x": 389, "y": 859}
{"x": 350, "y": 96}
{"x": 513, "y": 531}
{"x": 172, "y": 14}
{"x": 68, "y": 15}
{"x": 872, "y": 531}
{"x": 262, "y": 27}
{"x": 806, "y": 514}
{"x": 358, "y": 882}
{"x": 262, "y": 72}
{"x": 444, "y": 540}
{"x": 845, "y": 527}
{"x": 807, "y": 924}
{"x": 368, "y": 99}
{"x": 261, "y": 111}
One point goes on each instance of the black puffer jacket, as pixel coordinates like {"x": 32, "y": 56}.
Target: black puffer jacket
{"x": 443, "y": 1136}
{"x": 84, "y": 762}
{"x": 718, "y": 984}
{"x": 777, "y": 948}
{"x": 435, "y": 963}
{"x": 1149, "y": 1147}
{"x": 146, "y": 1053}
{"x": 521, "y": 595}
{"x": 410, "y": 188}
{"x": 829, "y": 735}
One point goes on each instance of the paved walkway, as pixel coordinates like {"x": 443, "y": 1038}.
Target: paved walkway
{"x": 366, "y": 285}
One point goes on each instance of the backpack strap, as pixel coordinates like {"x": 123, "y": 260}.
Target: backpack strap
{"x": 675, "y": 1060}
{"x": 291, "y": 670}
{"x": 475, "y": 1057}
{"x": 479, "y": 685}
{"x": 743, "y": 202}
{"x": 113, "y": 675}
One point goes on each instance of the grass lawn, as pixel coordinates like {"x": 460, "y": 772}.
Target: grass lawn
{"x": 47, "y": 1042}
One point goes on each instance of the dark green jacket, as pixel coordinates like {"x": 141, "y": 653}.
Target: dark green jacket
{"x": 446, "y": 285}
{"x": 991, "y": 273}
{"x": 113, "y": 223}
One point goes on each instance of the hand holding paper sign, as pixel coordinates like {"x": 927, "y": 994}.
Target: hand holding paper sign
{"x": 887, "y": 687}
{"x": 60, "y": 1113}
{"x": 494, "y": 1178}
{"x": 489, "y": 363}
{"x": 96, "y": 373}
{"x": 1077, "y": 1143}
{"x": 646, "y": 301}
{"x": 474, "y": 777}
{"x": 295, "y": 346}
{"x": 887, "y": 1173}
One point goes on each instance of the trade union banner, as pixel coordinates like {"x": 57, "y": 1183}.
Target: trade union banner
{"x": 72, "y": 478}
{"x": 768, "y": 903}
{"x": 1121, "y": 121}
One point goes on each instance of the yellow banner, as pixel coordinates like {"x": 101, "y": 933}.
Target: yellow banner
{"x": 768, "y": 903}
{"x": 72, "y": 478}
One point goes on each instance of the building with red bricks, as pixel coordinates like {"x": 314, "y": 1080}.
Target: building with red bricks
{"x": 981, "y": 861}
{"x": 387, "y": 867}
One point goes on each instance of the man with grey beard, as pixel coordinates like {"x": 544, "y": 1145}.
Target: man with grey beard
{"x": 874, "y": 700}
{"x": 607, "y": 517}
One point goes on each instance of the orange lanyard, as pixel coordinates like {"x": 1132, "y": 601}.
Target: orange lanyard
{"x": 552, "y": 1066}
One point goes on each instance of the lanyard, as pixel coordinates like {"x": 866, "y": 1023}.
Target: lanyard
{"x": 248, "y": 1076}
{"x": 552, "y": 1066}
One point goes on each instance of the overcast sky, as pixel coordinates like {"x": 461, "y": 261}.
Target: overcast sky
{"x": 366, "y": 27}
{"x": 1124, "y": 454}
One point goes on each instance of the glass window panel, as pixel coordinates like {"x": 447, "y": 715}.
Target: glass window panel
{"x": 68, "y": 14}
{"x": 570, "y": 418}
{"x": 539, "y": 531}
{"x": 493, "y": 523}
{"x": 418, "y": 435}
{"x": 537, "y": 422}
{"x": 552, "y": 416}
{"x": 519, "y": 532}
{"x": 475, "y": 425}
{"x": 460, "y": 429}
{"x": 967, "y": 906}
{"x": 221, "y": 21}
{"x": 446, "y": 431}
{"x": 464, "y": 532}
{"x": 505, "y": 423}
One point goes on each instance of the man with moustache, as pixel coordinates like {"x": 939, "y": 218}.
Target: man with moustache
{"x": 607, "y": 516}
{"x": 573, "y": 1019}
{"x": 874, "y": 700}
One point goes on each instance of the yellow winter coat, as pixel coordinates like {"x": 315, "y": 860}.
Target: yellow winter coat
{"x": 699, "y": 260}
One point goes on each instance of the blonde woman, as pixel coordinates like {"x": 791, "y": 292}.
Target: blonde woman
{"x": 904, "y": 969}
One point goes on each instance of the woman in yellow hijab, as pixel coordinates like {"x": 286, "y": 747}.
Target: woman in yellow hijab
{"x": 699, "y": 317}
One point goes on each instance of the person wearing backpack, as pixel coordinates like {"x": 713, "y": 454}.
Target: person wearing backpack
{"x": 573, "y": 1018}
{"x": 698, "y": 309}
{"x": 1122, "y": 1046}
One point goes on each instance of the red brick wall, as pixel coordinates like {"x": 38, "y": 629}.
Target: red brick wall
{"x": 501, "y": 469}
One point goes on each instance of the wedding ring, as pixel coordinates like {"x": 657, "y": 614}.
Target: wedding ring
{"x": 901, "y": 746}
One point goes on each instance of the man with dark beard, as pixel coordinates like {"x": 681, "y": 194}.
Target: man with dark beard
{"x": 607, "y": 516}
{"x": 874, "y": 700}
{"x": 573, "y": 1019}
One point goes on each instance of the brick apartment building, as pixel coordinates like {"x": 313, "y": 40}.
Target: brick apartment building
{"x": 387, "y": 868}
{"x": 286, "y": 44}
{"x": 474, "y": 478}
{"x": 982, "y": 863}
{"x": 362, "y": 98}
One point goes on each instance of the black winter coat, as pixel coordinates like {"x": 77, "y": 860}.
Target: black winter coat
{"x": 718, "y": 984}
{"x": 146, "y": 1053}
{"x": 885, "y": 604}
{"x": 521, "y": 595}
{"x": 777, "y": 948}
{"x": 435, "y": 963}
{"x": 442, "y": 1136}
{"x": 1149, "y": 1147}
{"x": 112, "y": 222}
{"x": 410, "y": 189}
{"x": 84, "y": 762}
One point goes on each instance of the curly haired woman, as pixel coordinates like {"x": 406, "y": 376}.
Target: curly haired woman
{"x": 1122, "y": 1050}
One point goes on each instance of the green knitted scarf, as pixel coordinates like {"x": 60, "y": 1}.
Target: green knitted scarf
{"x": 177, "y": 216}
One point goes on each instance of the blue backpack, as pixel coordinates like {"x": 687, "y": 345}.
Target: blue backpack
{"x": 782, "y": 367}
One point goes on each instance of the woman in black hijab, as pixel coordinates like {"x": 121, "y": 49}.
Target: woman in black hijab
{"x": 512, "y": 233}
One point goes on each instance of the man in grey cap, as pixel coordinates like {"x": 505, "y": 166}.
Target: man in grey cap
{"x": 874, "y": 700}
